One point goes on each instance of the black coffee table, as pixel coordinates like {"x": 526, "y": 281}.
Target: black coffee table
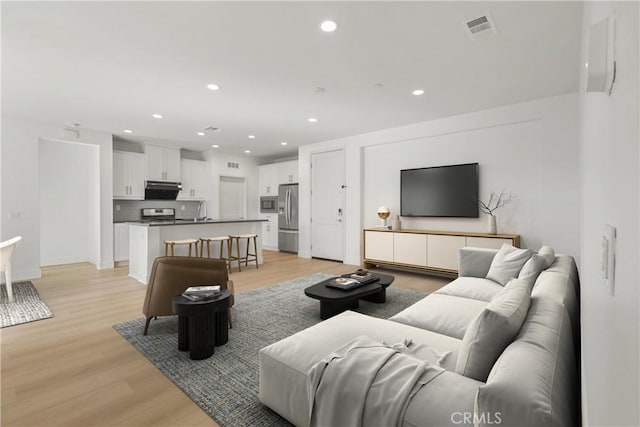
{"x": 202, "y": 325}
{"x": 334, "y": 301}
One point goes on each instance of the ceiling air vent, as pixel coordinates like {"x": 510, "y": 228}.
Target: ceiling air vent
{"x": 480, "y": 26}
{"x": 211, "y": 129}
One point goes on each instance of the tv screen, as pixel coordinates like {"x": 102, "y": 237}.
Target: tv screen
{"x": 442, "y": 191}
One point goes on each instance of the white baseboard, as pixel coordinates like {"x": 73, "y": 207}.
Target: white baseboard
{"x": 63, "y": 260}
{"x": 18, "y": 276}
{"x": 105, "y": 264}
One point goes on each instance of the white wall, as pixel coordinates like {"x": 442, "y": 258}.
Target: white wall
{"x": 20, "y": 191}
{"x": 529, "y": 149}
{"x": 610, "y": 195}
{"x": 69, "y": 206}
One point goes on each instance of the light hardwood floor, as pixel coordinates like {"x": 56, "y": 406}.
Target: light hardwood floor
{"x": 76, "y": 370}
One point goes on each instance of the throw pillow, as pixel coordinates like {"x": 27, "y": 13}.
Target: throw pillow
{"x": 507, "y": 263}
{"x": 548, "y": 254}
{"x": 493, "y": 330}
{"x": 532, "y": 269}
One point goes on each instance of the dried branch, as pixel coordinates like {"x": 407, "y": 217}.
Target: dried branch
{"x": 495, "y": 202}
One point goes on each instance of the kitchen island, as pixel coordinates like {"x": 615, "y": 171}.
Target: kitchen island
{"x": 146, "y": 239}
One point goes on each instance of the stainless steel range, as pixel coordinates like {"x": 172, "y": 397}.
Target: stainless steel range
{"x": 157, "y": 215}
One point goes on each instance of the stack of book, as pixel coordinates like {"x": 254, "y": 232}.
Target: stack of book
{"x": 201, "y": 293}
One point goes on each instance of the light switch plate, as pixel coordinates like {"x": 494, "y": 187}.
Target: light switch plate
{"x": 608, "y": 257}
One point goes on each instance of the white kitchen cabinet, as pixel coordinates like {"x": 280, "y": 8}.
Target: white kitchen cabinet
{"x": 270, "y": 231}
{"x": 287, "y": 172}
{"x": 162, "y": 164}
{"x": 121, "y": 242}
{"x": 268, "y": 180}
{"x": 194, "y": 180}
{"x": 128, "y": 175}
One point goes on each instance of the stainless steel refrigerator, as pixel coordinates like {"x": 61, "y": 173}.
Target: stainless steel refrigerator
{"x": 288, "y": 218}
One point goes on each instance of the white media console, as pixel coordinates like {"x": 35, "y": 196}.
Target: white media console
{"x": 435, "y": 251}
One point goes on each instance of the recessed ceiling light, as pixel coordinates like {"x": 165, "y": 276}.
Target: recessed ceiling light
{"x": 213, "y": 86}
{"x": 215, "y": 146}
{"x": 127, "y": 131}
{"x": 283, "y": 143}
{"x": 251, "y": 137}
{"x": 328, "y": 26}
{"x": 247, "y": 151}
{"x": 378, "y": 85}
{"x": 312, "y": 120}
{"x": 200, "y": 133}
{"x": 418, "y": 92}
{"x": 156, "y": 116}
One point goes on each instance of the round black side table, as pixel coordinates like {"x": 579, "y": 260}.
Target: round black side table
{"x": 202, "y": 325}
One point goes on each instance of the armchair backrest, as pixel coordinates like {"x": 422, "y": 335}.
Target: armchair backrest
{"x": 170, "y": 276}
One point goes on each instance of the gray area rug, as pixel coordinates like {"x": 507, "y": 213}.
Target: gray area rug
{"x": 26, "y": 306}
{"x": 225, "y": 386}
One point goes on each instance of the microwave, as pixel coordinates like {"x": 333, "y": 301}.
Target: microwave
{"x": 269, "y": 204}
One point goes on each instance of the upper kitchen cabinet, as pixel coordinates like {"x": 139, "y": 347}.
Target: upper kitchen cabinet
{"x": 194, "y": 180}
{"x": 128, "y": 175}
{"x": 287, "y": 172}
{"x": 268, "y": 180}
{"x": 163, "y": 164}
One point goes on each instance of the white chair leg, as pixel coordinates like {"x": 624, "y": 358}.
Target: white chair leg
{"x": 7, "y": 275}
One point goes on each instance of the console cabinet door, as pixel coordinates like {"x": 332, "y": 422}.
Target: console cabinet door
{"x": 378, "y": 245}
{"x": 410, "y": 249}
{"x": 443, "y": 251}
{"x": 487, "y": 242}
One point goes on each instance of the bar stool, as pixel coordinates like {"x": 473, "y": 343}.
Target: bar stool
{"x": 222, "y": 240}
{"x": 247, "y": 256}
{"x": 169, "y": 244}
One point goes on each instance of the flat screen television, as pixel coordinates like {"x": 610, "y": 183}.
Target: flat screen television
{"x": 442, "y": 191}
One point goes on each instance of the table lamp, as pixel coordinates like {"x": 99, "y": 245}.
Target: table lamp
{"x": 383, "y": 213}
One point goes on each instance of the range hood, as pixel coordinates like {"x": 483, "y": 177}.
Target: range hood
{"x": 161, "y": 190}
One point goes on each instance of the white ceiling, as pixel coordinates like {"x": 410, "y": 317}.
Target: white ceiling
{"x": 109, "y": 66}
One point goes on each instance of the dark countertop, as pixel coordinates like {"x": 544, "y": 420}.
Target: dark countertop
{"x": 190, "y": 222}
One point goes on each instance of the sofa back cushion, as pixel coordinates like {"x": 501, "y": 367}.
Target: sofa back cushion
{"x": 532, "y": 269}
{"x": 534, "y": 382}
{"x": 507, "y": 263}
{"x": 493, "y": 330}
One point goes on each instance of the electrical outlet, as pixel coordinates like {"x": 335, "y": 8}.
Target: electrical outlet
{"x": 182, "y": 207}
{"x": 117, "y": 207}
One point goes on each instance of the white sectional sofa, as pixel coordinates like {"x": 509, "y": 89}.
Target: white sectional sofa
{"x": 523, "y": 377}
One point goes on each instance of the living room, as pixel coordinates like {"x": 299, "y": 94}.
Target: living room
{"x": 568, "y": 156}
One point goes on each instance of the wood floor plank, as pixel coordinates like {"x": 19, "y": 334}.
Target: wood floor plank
{"x": 76, "y": 370}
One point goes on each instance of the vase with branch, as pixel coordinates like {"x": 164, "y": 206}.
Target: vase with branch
{"x": 496, "y": 201}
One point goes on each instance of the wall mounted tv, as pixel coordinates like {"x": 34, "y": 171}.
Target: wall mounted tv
{"x": 442, "y": 191}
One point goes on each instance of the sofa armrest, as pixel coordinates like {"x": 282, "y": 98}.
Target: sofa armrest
{"x": 475, "y": 262}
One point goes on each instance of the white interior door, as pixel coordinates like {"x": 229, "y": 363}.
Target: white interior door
{"x": 233, "y": 198}
{"x": 327, "y": 205}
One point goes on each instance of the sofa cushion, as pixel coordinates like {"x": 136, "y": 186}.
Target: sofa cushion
{"x": 444, "y": 314}
{"x": 507, "y": 263}
{"x": 532, "y": 269}
{"x": 548, "y": 254}
{"x": 493, "y": 330}
{"x": 471, "y": 287}
{"x": 285, "y": 365}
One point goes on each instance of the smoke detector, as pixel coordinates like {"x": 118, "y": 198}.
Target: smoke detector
{"x": 480, "y": 27}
